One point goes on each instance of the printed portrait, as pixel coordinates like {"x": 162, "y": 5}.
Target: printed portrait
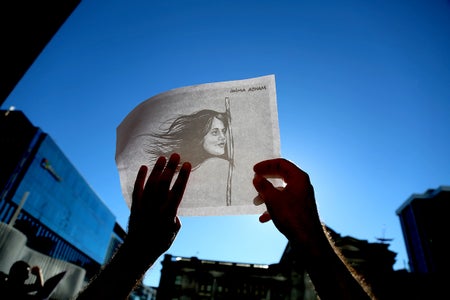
{"x": 221, "y": 128}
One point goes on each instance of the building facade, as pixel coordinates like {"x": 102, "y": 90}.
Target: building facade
{"x": 191, "y": 278}
{"x": 47, "y": 199}
{"x": 423, "y": 219}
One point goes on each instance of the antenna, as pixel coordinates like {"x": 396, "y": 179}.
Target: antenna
{"x": 383, "y": 239}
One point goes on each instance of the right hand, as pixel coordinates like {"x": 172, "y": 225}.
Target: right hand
{"x": 292, "y": 208}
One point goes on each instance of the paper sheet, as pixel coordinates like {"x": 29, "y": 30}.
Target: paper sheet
{"x": 222, "y": 128}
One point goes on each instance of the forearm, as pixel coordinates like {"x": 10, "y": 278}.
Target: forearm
{"x": 121, "y": 275}
{"x": 39, "y": 281}
{"x": 330, "y": 275}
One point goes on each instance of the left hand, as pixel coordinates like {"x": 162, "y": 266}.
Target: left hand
{"x": 154, "y": 206}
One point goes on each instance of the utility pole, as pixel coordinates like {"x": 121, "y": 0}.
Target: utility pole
{"x": 18, "y": 209}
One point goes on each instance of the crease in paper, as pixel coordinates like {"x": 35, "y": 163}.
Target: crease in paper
{"x": 222, "y": 128}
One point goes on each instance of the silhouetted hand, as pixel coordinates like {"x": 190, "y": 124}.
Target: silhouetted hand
{"x": 154, "y": 206}
{"x": 292, "y": 207}
{"x": 152, "y": 227}
{"x": 293, "y": 210}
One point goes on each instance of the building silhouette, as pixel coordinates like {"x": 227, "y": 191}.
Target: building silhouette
{"x": 46, "y": 199}
{"x": 425, "y": 228}
{"x": 192, "y": 278}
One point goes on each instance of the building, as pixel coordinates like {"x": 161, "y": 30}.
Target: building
{"x": 143, "y": 292}
{"x": 423, "y": 219}
{"x": 372, "y": 261}
{"x": 192, "y": 278}
{"x": 43, "y": 196}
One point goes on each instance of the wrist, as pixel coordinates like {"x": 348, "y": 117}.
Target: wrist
{"x": 137, "y": 253}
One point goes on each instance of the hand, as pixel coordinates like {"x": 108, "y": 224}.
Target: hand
{"x": 154, "y": 206}
{"x": 35, "y": 270}
{"x": 152, "y": 227}
{"x": 292, "y": 207}
{"x": 294, "y": 212}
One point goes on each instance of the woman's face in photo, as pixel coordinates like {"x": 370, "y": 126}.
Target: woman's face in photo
{"x": 214, "y": 141}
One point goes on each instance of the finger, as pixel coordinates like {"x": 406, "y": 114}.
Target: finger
{"x": 157, "y": 170}
{"x": 265, "y": 217}
{"x": 258, "y": 200}
{"x": 265, "y": 189}
{"x": 179, "y": 187}
{"x": 138, "y": 187}
{"x": 154, "y": 177}
{"x": 277, "y": 168}
{"x": 169, "y": 171}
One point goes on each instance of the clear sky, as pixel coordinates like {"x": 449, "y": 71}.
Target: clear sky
{"x": 363, "y": 93}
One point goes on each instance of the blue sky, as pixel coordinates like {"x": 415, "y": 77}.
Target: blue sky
{"x": 363, "y": 92}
